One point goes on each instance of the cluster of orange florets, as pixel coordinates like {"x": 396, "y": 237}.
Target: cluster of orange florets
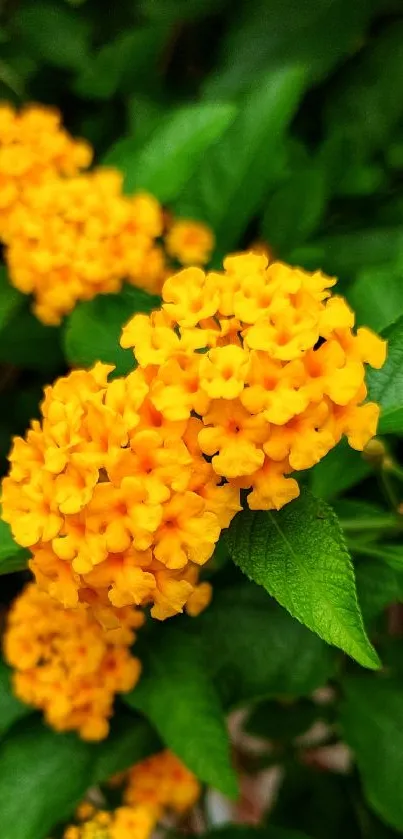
{"x": 34, "y": 149}
{"x": 66, "y": 664}
{"x": 122, "y": 823}
{"x": 161, "y": 783}
{"x": 154, "y": 787}
{"x": 263, "y": 362}
{"x": 113, "y": 498}
{"x": 71, "y": 235}
{"x": 243, "y": 377}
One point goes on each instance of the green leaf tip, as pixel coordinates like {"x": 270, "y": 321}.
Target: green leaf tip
{"x": 299, "y": 556}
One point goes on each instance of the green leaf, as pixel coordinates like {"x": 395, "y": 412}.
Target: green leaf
{"x": 255, "y": 649}
{"x": 357, "y": 180}
{"x": 356, "y": 515}
{"x": 26, "y": 342}
{"x": 177, "y": 695}
{"x": 341, "y": 469}
{"x": 144, "y": 115}
{"x": 10, "y": 298}
{"x": 265, "y": 36}
{"x": 376, "y": 296}
{"x": 131, "y": 54}
{"x": 173, "y": 153}
{"x": 371, "y": 717}
{"x": 235, "y": 173}
{"x": 12, "y": 557}
{"x": 130, "y": 740}
{"x": 11, "y": 709}
{"x": 299, "y": 556}
{"x": 295, "y": 209}
{"x": 370, "y": 106}
{"x": 43, "y": 776}
{"x": 391, "y": 554}
{"x": 54, "y": 34}
{"x": 345, "y": 254}
{"x": 378, "y": 585}
{"x": 385, "y": 386}
{"x": 17, "y": 562}
{"x": 179, "y": 10}
{"x": 93, "y": 329}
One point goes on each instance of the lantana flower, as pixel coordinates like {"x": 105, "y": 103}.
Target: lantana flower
{"x": 67, "y": 664}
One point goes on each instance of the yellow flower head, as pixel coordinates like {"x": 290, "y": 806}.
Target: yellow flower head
{"x": 66, "y": 664}
{"x": 75, "y": 238}
{"x": 266, "y": 361}
{"x": 132, "y": 823}
{"x": 114, "y": 499}
{"x": 161, "y": 783}
{"x": 190, "y": 242}
{"x": 33, "y": 149}
{"x": 122, "y": 823}
{"x": 71, "y": 235}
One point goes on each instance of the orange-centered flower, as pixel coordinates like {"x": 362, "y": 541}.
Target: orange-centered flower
{"x": 190, "y": 242}
{"x": 276, "y": 377}
{"x": 74, "y": 238}
{"x": 104, "y": 493}
{"x": 66, "y": 664}
{"x": 122, "y": 823}
{"x": 161, "y": 783}
{"x": 34, "y": 148}
{"x": 154, "y": 788}
{"x": 71, "y": 235}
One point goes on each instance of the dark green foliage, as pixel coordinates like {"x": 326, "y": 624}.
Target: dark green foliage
{"x": 255, "y": 649}
{"x": 175, "y": 677}
{"x": 371, "y": 719}
{"x": 386, "y": 387}
{"x": 278, "y": 121}
{"x": 92, "y": 331}
{"x": 43, "y": 776}
{"x": 11, "y": 709}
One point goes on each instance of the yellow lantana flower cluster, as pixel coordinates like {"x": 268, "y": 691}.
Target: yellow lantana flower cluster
{"x": 71, "y": 235}
{"x": 161, "y": 783}
{"x": 66, "y": 664}
{"x": 113, "y": 497}
{"x": 262, "y": 362}
{"x": 189, "y": 242}
{"x": 122, "y": 823}
{"x": 155, "y": 787}
{"x": 34, "y": 148}
{"x": 73, "y": 240}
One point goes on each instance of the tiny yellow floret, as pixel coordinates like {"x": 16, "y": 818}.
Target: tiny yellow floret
{"x": 190, "y": 242}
